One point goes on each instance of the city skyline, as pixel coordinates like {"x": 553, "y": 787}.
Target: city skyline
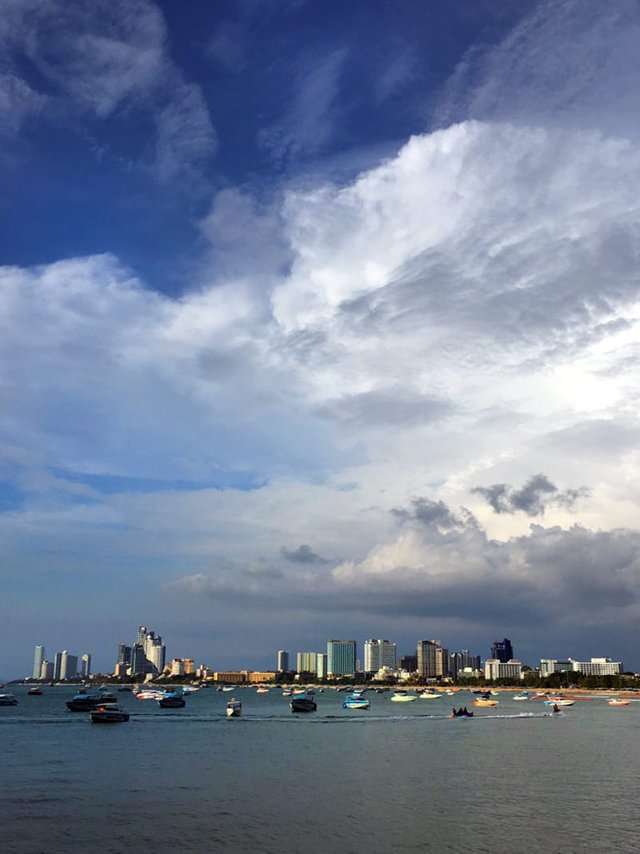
{"x": 319, "y": 319}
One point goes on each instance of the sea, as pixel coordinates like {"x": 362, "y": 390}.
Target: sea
{"x": 394, "y": 778}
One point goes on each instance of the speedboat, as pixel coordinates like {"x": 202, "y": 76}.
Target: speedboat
{"x": 234, "y": 708}
{"x": 227, "y": 687}
{"x": 303, "y": 704}
{"x": 299, "y": 692}
{"x": 172, "y": 700}
{"x": 109, "y": 713}
{"x": 521, "y": 697}
{"x": 429, "y": 695}
{"x": 618, "y": 702}
{"x": 484, "y": 703}
{"x": 262, "y": 691}
{"x": 36, "y": 691}
{"x": 8, "y": 700}
{"x": 151, "y": 694}
{"x": 287, "y": 692}
{"x": 86, "y": 701}
{"x": 403, "y": 697}
{"x": 354, "y": 702}
{"x": 559, "y": 701}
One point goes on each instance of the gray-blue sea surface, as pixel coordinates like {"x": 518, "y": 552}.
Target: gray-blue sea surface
{"x": 397, "y": 777}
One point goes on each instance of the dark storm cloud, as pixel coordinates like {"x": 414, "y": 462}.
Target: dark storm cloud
{"x": 431, "y": 513}
{"x": 303, "y": 554}
{"x": 533, "y": 498}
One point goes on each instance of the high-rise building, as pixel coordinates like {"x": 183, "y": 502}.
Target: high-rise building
{"x": 379, "y": 653}
{"x": 85, "y": 666}
{"x": 408, "y": 663}
{"x": 442, "y": 662}
{"x": 496, "y": 669}
{"x": 598, "y": 667}
{"x": 306, "y": 662}
{"x": 189, "y": 666}
{"x": 57, "y": 666}
{"x": 124, "y": 654}
{"x": 321, "y": 665}
{"x": 341, "y": 657}
{"x": 283, "y": 661}
{"x": 46, "y": 671}
{"x": 38, "y": 658}
{"x": 68, "y": 665}
{"x": 426, "y": 654}
{"x": 458, "y": 661}
{"x": 138, "y": 660}
{"x": 153, "y": 649}
{"x": 502, "y": 650}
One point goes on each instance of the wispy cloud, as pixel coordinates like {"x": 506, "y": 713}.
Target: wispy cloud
{"x": 308, "y": 121}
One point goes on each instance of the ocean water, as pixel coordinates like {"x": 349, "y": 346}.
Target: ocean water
{"x": 398, "y": 777}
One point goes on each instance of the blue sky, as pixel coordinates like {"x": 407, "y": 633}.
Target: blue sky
{"x": 359, "y": 277}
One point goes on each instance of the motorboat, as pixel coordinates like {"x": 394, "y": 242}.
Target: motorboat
{"x": 559, "y": 701}
{"x": 150, "y": 694}
{"x": 481, "y": 702}
{"x": 172, "y": 700}
{"x": 617, "y": 702}
{"x": 521, "y": 697}
{"x": 36, "y": 691}
{"x": 234, "y": 708}
{"x": 287, "y": 692}
{"x": 190, "y": 689}
{"x": 403, "y": 697}
{"x": 303, "y": 704}
{"x": 262, "y": 691}
{"x": 86, "y": 701}
{"x": 429, "y": 695}
{"x": 354, "y": 702}
{"x": 300, "y": 692}
{"x": 8, "y": 700}
{"x": 109, "y": 713}
{"x": 227, "y": 687}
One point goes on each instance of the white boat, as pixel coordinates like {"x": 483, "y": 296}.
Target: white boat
{"x": 429, "y": 695}
{"x": 227, "y": 687}
{"x": 617, "y": 702}
{"x": 262, "y": 691}
{"x": 403, "y": 697}
{"x": 521, "y": 697}
{"x": 287, "y": 692}
{"x": 559, "y": 701}
{"x": 234, "y": 708}
{"x": 149, "y": 695}
{"x": 354, "y": 702}
{"x": 8, "y": 700}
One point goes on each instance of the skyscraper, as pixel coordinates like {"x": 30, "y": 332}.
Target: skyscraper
{"x": 379, "y": 653}
{"x": 57, "y": 666}
{"x": 85, "y": 667}
{"x": 442, "y": 662}
{"x": 153, "y": 650}
{"x": 283, "y": 661}
{"x": 321, "y": 665}
{"x": 46, "y": 672}
{"x": 306, "y": 662}
{"x": 341, "y": 657}
{"x": 124, "y": 654}
{"x": 38, "y": 658}
{"x": 138, "y": 660}
{"x": 426, "y": 654}
{"x": 502, "y": 650}
{"x": 68, "y": 665}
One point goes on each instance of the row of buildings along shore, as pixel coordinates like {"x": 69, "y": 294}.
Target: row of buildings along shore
{"x": 145, "y": 658}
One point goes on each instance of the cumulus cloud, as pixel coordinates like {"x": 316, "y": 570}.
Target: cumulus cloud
{"x": 533, "y": 498}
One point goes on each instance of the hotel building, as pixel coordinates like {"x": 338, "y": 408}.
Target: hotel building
{"x": 341, "y": 657}
{"x": 379, "y": 653}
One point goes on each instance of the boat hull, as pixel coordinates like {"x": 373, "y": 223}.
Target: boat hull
{"x": 302, "y": 704}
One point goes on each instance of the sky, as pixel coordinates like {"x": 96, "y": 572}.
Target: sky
{"x": 319, "y": 319}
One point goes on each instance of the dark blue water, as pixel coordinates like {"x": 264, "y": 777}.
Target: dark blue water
{"x": 398, "y": 777}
